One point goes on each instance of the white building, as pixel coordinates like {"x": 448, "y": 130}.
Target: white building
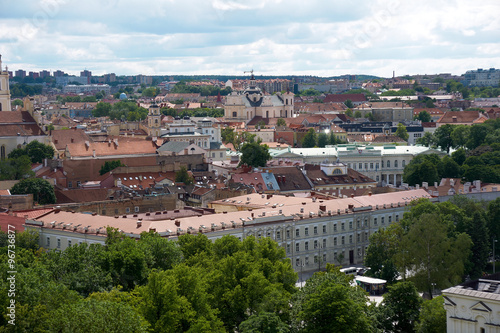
{"x": 252, "y": 102}
{"x": 312, "y": 232}
{"x": 482, "y": 77}
{"x": 87, "y": 89}
{"x": 473, "y": 306}
{"x": 384, "y": 164}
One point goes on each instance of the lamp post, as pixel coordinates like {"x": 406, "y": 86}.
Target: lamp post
{"x": 494, "y": 261}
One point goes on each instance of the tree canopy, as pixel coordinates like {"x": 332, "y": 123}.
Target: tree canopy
{"x": 254, "y": 154}
{"x": 42, "y": 190}
{"x": 35, "y": 150}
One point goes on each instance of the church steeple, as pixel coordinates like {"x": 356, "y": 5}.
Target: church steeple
{"x": 4, "y": 89}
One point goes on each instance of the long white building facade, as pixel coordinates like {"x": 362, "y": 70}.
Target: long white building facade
{"x": 384, "y": 164}
{"x": 312, "y": 232}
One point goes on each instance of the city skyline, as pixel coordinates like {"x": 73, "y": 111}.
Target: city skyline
{"x": 272, "y": 37}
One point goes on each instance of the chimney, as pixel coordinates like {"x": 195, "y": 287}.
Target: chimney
{"x": 454, "y": 119}
{"x": 322, "y": 208}
{"x": 269, "y": 196}
{"x": 72, "y": 140}
{"x": 139, "y": 224}
{"x": 370, "y": 193}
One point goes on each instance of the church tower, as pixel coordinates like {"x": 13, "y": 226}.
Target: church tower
{"x": 4, "y": 88}
{"x": 154, "y": 121}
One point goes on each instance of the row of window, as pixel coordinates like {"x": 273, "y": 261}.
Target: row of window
{"x": 375, "y": 166}
{"x": 47, "y": 242}
{"x": 359, "y": 224}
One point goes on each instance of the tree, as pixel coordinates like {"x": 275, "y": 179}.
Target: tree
{"x": 459, "y": 156}
{"x": 424, "y": 116}
{"x": 182, "y": 176}
{"x": 332, "y": 139}
{"x": 493, "y": 218}
{"x": 97, "y": 316}
{"x": 349, "y": 104}
{"x": 264, "y": 322}
{"x": 460, "y": 135}
{"x": 432, "y": 318}
{"x": 35, "y": 150}
{"x": 16, "y": 168}
{"x": 402, "y": 132}
{"x": 426, "y": 140}
{"x": 281, "y": 122}
{"x": 477, "y": 136}
{"x": 357, "y": 114}
{"x": 110, "y": 165}
{"x": 328, "y": 303}
{"x": 384, "y": 244}
{"x": 435, "y": 257}
{"x": 478, "y": 232}
{"x": 102, "y": 109}
{"x": 42, "y": 190}
{"x": 450, "y": 168}
{"x": 349, "y": 113}
{"x": 309, "y": 139}
{"x": 322, "y": 140}
{"x": 443, "y": 138}
{"x": 254, "y": 154}
{"x": 401, "y": 306}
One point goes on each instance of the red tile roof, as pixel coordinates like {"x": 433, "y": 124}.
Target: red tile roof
{"x": 462, "y": 117}
{"x": 15, "y": 222}
{"x": 16, "y": 117}
{"x": 62, "y": 137}
{"x": 125, "y": 147}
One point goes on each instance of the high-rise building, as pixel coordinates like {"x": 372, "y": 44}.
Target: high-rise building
{"x": 44, "y": 74}
{"x": 4, "y": 88}
{"x": 58, "y": 73}
{"x": 20, "y": 73}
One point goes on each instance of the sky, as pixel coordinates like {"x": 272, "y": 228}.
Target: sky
{"x": 272, "y": 37}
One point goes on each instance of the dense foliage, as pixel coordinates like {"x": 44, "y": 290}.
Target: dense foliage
{"x": 110, "y": 165}
{"x": 123, "y": 110}
{"x": 42, "y": 190}
{"x": 208, "y": 90}
{"x": 477, "y": 154}
{"x": 436, "y": 245}
{"x": 159, "y": 285}
{"x": 36, "y": 151}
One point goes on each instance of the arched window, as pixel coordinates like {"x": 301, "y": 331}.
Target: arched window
{"x": 267, "y": 114}
{"x": 388, "y": 164}
{"x": 2, "y": 152}
{"x": 396, "y": 164}
{"x": 337, "y": 172}
{"x": 403, "y": 163}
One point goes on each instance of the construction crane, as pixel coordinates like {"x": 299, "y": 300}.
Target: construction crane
{"x": 251, "y": 72}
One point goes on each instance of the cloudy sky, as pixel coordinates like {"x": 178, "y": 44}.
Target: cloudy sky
{"x": 274, "y": 37}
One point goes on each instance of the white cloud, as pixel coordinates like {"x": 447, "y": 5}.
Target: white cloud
{"x": 272, "y": 36}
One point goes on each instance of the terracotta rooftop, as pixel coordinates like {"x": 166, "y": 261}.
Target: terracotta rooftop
{"x": 22, "y": 129}
{"x": 462, "y": 117}
{"x": 77, "y": 222}
{"x": 124, "y": 147}
{"x": 16, "y": 117}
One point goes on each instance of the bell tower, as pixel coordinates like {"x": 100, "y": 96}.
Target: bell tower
{"x": 154, "y": 120}
{"x": 4, "y": 88}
